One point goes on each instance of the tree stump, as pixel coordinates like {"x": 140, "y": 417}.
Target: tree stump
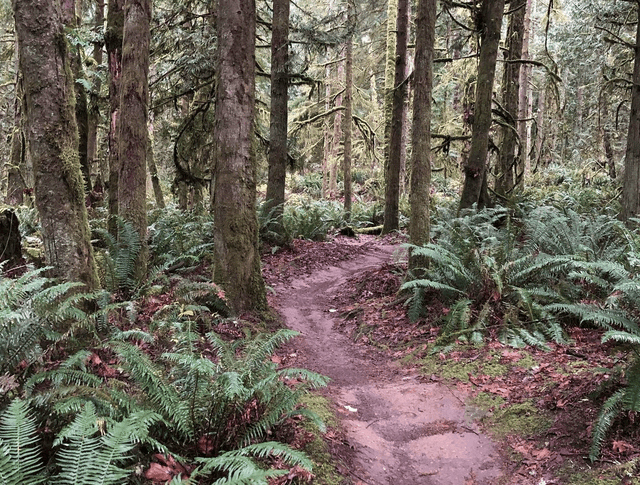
{"x": 10, "y": 247}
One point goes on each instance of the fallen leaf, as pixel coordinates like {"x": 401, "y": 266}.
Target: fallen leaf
{"x": 158, "y": 473}
{"x": 622, "y": 447}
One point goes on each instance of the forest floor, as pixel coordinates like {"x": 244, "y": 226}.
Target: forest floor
{"x": 477, "y": 415}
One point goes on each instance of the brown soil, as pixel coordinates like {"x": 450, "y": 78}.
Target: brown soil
{"x": 399, "y": 429}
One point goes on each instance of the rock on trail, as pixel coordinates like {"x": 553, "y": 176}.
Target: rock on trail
{"x": 403, "y": 431}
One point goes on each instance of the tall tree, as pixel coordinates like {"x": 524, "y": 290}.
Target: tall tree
{"x": 421, "y": 131}
{"x": 72, "y": 20}
{"x": 113, "y": 43}
{"x": 508, "y": 160}
{"x": 392, "y": 172}
{"x": 278, "y": 121}
{"x": 631, "y": 182}
{"x": 16, "y": 166}
{"x": 53, "y": 140}
{"x": 389, "y": 70}
{"x": 133, "y": 132}
{"x": 237, "y": 260}
{"x": 474, "y": 190}
{"x": 525, "y": 98}
{"x": 94, "y": 95}
{"x": 347, "y": 123}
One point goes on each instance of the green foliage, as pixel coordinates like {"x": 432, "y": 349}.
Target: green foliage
{"x": 530, "y": 275}
{"x": 20, "y": 460}
{"x": 312, "y": 220}
{"x": 180, "y": 236}
{"x": 91, "y": 451}
{"x": 117, "y": 262}
{"x": 229, "y": 404}
{"x": 33, "y": 307}
{"x": 485, "y": 291}
{"x": 241, "y": 470}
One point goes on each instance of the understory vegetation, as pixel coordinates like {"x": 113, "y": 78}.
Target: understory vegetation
{"x": 169, "y": 390}
{"x": 174, "y": 390}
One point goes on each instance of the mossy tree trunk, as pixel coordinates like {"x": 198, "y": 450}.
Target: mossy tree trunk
{"x": 237, "y": 260}
{"x": 16, "y": 166}
{"x": 113, "y": 42}
{"x": 72, "y": 20}
{"x": 53, "y": 140}
{"x": 389, "y": 70}
{"x": 94, "y": 96}
{"x": 392, "y": 172}
{"x": 631, "y": 182}
{"x": 153, "y": 170}
{"x": 133, "y": 132}
{"x": 508, "y": 160}
{"x": 279, "y": 116}
{"x": 337, "y": 135}
{"x": 347, "y": 124}
{"x": 525, "y": 99}
{"x": 419, "y": 194}
{"x": 474, "y": 190}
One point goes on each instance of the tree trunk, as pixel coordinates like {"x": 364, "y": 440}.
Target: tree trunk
{"x": 15, "y": 168}
{"x": 508, "y": 159}
{"x": 94, "y": 96}
{"x": 605, "y": 133}
{"x": 53, "y": 141}
{"x": 326, "y": 155}
{"x": 389, "y": 70}
{"x": 72, "y": 21}
{"x": 113, "y": 42}
{"x": 392, "y": 178}
{"x": 10, "y": 241}
{"x": 475, "y": 169}
{"x": 337, "y": 136}
{"x": 419, "y": 195}
{"x": 631, "y": 183}
{"x": 133, "y": 133}
{"x": 237, "y": 260}
{"x": 347, "y": 123}
{"x": 525, "y": 100}
{"x": 153, "y": 170}
{"x": 274, "y": 204}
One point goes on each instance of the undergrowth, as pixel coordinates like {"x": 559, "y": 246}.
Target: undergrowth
{"x": 525, "y": 274}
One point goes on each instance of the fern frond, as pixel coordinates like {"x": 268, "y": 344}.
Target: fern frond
{"x": 20, "y": 460}
{"x": 149, "y": 377}
{"x": 609, "y": 411}
{"x": 608, "y": 319}
{"x": 621, "y": 336}
{"x": 86, "y": 459}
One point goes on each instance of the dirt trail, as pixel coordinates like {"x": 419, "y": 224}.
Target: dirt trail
{"x": 403, "y": 431}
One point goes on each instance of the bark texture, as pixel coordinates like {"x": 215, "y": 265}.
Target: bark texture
{"x": 237, "y": 260}
{"x": 94, "y": 96}
{"x": 113, "y": 42}
{"x": 279, "y": 115}
{"x": 132, "y": 129}
{"x": 53, "y": 140}
{"x": 16, "y": 166}
{"x": 389, "y": 69}
{"x": 153, "y": 170}
{"x": 508, "y": 160}
{"x": 72, "y": 21}
{"x": 475, "y": 169}
{"x": 631, "y": 183}
{"x": 10, "y": 240}
{"x": 392, "y": 172}
{"x": 419, "y": 194}
{"x": 525, "y": 99}
{"x": 347, "y": 124}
